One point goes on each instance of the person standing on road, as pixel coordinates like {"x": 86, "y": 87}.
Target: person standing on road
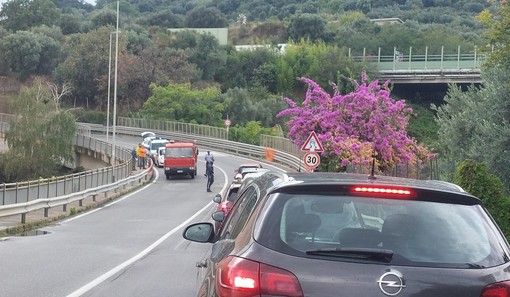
{"x": 138, "y": 155}
{"x": 209, "y": 172}
{"x": 209, "y": 159}
{"x": 142, "y": 155}
{"x": 134, "y": 156}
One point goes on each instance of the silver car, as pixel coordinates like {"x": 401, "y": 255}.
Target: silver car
{"x": 323, "y": 235}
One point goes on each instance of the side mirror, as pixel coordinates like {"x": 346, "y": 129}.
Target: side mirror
{"x": 200, "y": 232}
{"x": 218, "y": 216}
{"x": 217, "y": 198}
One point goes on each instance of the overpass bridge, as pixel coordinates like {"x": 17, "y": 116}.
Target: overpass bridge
{"x": 425, "y": 68}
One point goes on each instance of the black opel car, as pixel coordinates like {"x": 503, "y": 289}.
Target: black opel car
{"x": 334, "y": 234}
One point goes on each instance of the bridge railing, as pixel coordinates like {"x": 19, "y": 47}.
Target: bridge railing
{"x": 25, "y": 191}
{"x": 469, "y": 60}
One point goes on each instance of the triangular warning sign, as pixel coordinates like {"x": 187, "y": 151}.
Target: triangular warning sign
{"x": 312, "y": 144}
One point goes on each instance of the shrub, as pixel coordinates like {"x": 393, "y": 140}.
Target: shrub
{"x": 476, "y": 179}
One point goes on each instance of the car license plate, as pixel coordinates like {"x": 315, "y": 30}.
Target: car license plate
{"x": 179, "y": 171}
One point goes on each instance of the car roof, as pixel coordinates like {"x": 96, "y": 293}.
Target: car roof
{"x": 324, "y": 182}
{"x": 159, "y": 139}
{"x": 250, "y": 164}
{"x": 254, "y": 169}
{"x": 148, "y": 134}
{"x": 316, "y": 182}
{"x": 352, "y": 178}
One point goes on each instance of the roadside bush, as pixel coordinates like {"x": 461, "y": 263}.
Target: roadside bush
{"x": 250, "y": 133}
{"x": 90, "y": 116}
{"x": 476, "y": 179}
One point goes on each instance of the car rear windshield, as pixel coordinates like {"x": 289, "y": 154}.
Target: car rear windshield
{"x": 400, "y": 232}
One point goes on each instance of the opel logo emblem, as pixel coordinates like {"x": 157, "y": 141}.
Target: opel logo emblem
{"x": 391, "y": 283}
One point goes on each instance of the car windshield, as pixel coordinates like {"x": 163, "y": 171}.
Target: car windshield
{"x": 156, "y": 145}
{"x": 179, "y": 152}
{"x": 401, "y": 232}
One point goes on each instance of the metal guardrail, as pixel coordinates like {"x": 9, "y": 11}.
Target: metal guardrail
{"x": 25, "y": 191}
{"x": 29, "y": 196}
{"x": 47, "y": 203}
{"x": 286, "y": 159}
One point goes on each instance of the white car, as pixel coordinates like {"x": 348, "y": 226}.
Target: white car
{"x": 159, "y": 161}
{"x": 153, "y": 145}
{"x": 250, "y": 173}
{"x": 148, "y": 134}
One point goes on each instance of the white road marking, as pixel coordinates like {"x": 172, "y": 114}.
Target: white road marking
{"x": 143, "y": 253}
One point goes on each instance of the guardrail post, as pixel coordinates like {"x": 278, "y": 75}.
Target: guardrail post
{"x": 80, "y": 202}
{"x": 17, "y": 187}
{"x": 442, "y": 57}
{"x": 458, "y": 57}
{"x": 64, "y": 208}
{"x": 426, "y": 56}
{"x": 410, "y": 56}
{"x": 394, "y": 57}
{"x": 474, "y": 60}
{"x": 23, "y": 218}
{"x": 94, "y": 197}
{"x": 46, "y": 211}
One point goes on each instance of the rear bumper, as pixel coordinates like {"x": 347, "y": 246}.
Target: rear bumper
{"x": 180, "y": 170}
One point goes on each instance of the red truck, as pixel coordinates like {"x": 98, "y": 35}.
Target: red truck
{"x": 181, "y": 158}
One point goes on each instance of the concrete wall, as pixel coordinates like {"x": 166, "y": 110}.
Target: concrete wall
{"x": 89, "y": 159}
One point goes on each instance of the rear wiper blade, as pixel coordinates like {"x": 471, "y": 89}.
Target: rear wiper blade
{"x": 355, "y": 253}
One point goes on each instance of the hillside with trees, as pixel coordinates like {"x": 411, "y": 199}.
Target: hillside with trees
{"x": 191, "y": 77}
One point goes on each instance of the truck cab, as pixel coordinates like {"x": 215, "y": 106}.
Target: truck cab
{"x": 181, "y": 158}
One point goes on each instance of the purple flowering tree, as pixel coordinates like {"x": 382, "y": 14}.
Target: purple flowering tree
{"x": 354, "y": 127}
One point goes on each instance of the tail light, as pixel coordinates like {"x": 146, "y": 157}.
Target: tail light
{"x": 225, "y": 207}
{"x": 501, "y": 289}
{"x": 394, "y": 192}
{"x": 245, "y": 278}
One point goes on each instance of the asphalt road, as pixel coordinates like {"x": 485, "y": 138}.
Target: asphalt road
{"x": 131, "y": 247}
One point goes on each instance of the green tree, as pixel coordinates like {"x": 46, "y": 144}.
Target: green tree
{"x": 24, "y": 14}
{"x": 247, "y": 68}
{"x": 320, "y": 62}
{"x": 102, "y": 18}
{"x": 179, "y": 102}
{"x": 249, "y": 133}
{"x": 474, "y": 124}
{"x": 205, "y": 17}
{"x": 163, "y": 19}
{"x": 498, "y": 25}
{"x": 70, "y": 23}
{"x": 28, "y": 53}
{"x": 208, "y": 56}
{"x": 86, "y": 62}
{"x": 308, "y": 26}
{"x": 42, "y": 136}
{"x": 254, "y": 104}
{"x": 476, "y": 179}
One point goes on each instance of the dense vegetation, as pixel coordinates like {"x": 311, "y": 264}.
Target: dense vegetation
{"x": 191, "y": 77}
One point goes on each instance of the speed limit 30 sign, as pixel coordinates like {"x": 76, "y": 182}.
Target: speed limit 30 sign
{"x": 312, "y": 159}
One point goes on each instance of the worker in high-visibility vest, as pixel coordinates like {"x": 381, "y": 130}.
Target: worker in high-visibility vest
{"x": 142, "y": 155}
